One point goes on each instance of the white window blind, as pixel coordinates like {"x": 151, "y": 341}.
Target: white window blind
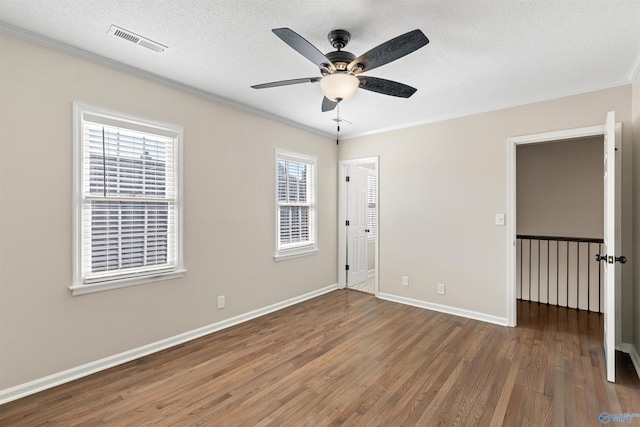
{"x": 129, "y": 211}
{"x": 295, "y": 207}
{"x": 372, "y": 195}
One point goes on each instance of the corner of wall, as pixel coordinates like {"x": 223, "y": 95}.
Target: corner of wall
{"x": 635, "y": 151}
{"x": 635, "y": 357}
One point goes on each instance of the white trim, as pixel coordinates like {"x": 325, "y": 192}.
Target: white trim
{"x": 511, "y": 200}
{"x": 512, "y": 316}
{"x": 31, "y": 387}
{"x": 84, "y": 112}
{"x": 488, "y": 109}
{"x": 310, "y": 247}
{"x": 343, "y": 166}
{"x": 40, "y": 40}
{"x": 635, "y": 70}
{"x": 117, "y": 284}
{"x": 502, "y": 321}
{"x": 559, "y": 135}
{"x": 295, "y": 254}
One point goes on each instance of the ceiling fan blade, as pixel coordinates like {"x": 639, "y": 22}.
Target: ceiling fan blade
{"x": 386, "y": 87}
{"x": 287, "y": 82}
{"x": 303, "y": 47}
{"x": 390, "y": 51}
{"x": 327, "y": 104}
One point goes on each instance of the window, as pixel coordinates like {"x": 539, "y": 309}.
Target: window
{"x": 372, "y": 196}
{"x": 127, "y": 200}
{"x": 295, "y": 205}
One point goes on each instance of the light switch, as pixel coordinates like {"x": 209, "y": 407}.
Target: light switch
{"x": 499, "y": 219}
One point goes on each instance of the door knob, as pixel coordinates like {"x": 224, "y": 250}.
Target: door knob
{"x": 601, "y": 257}
{"x": 621, "y": 259}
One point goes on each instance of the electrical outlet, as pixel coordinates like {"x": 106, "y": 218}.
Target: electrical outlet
{"x": 441, "y": 289}
{"x": 220, "y": 302}
{"x": 405, "y": 280}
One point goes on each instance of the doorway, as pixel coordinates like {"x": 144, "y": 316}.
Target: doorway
{"x": 560, "y": 223}
{"x": 358, "y": 231}
{"x": 611, "y": 133}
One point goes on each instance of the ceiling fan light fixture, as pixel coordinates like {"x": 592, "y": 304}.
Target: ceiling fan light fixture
{"x": 338, "y": 86}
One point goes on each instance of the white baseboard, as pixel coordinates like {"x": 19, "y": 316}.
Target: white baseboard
{"x": 32, "y": 387}
{"x": 502, "y": 321}
{"x": 631, "y": 350}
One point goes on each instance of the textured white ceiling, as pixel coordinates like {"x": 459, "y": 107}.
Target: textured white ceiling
{"x": 482, "y": 55}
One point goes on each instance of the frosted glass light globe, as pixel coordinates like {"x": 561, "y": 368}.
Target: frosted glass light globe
{"x": 338, "y": 86}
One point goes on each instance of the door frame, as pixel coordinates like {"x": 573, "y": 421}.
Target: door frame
{"x": 512, "y": 143}
{"x": 343, "y": 166}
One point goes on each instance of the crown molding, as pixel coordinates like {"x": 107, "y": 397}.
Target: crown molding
{"x": 49, "y": 43}
{"x": 635, "y": 70}
{"x": 491, "y": 108}
{"x": 109, "y": 63}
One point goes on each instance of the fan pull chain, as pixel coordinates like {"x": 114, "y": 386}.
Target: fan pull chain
{"x": 338, "y": 121}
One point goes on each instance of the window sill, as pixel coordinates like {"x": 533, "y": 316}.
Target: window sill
{"x": 294, "y": 254}
{"x": 123, "y": 283}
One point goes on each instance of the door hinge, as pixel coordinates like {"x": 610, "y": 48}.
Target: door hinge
{"x": 347, "y": 179}
{"x": 347, "y": 223}
{"x": 346, "y": 267}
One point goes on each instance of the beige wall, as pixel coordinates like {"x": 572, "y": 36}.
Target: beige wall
{"x": 228, "y": 240}
{"x": 559, "y": 188}
{"x": 636, "y": 211}
{"x": 371, "y": 255}
{"x": 441, "y": 185}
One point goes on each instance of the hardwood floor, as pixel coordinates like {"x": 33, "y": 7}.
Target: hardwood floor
{"x": 346, "y": 358}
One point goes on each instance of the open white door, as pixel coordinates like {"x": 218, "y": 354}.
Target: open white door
{"x": 611, "y": 246}
{"x": 357, "y": 188}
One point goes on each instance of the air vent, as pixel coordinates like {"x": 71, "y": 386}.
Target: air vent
{"x": 134, "y": 38}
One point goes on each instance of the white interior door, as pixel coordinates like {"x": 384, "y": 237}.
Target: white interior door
{"x": 357, "y": 188}
{"x": 611, "y": 246}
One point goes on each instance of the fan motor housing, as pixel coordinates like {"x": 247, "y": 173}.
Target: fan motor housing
{"x": 339, "y": 38}
{"x": 340, "y": 59}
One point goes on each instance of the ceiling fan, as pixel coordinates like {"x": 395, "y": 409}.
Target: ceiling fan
{"x": 341, "y": 69}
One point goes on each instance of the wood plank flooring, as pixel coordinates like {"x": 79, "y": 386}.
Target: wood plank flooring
{"x": 346, "y": 358}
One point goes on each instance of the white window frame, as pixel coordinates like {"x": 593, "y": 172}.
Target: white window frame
{"x": 309, "y": 247}
{"x": 83, "y": 280}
